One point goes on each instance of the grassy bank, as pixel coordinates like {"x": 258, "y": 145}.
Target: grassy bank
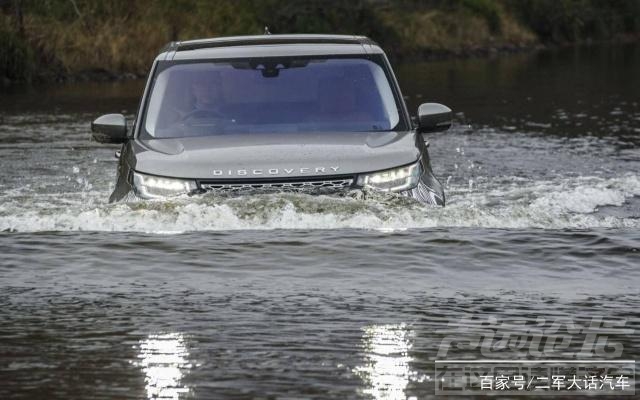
{"x": 58, "y": 39}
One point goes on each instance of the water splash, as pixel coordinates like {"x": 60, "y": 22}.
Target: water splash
{"x": 508, "y": 203}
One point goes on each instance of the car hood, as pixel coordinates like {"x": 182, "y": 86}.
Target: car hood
{"x": 244, "y": 156}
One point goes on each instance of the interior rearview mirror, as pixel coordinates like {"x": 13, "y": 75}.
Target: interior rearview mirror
{"x": 110, "y": 128}
{"x": 434, "y": 117}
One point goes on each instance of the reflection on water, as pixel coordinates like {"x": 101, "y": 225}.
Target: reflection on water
{"x": 386, "y": 370}
{"x": 163, "y": 358}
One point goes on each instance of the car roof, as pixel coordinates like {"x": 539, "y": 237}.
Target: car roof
{"x": 269, "y": 45}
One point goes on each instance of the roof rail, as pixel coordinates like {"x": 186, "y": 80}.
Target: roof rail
{"x": 265, "y": 39}
{"x": 169, "y": 47}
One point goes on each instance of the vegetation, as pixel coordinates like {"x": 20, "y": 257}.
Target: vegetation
{"x": 16, "y": 57}
{"x": 55, "y": 39}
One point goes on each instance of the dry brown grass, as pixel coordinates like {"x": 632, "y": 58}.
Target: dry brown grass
{"x": 458, "y": 31}
{"x": 127, "y": 42}
{"x": 116, "y": 46}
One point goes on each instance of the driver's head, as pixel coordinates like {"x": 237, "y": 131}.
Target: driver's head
{"x": 206, "y": 89}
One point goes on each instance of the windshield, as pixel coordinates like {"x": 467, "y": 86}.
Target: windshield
{"x": 270, "y": 95}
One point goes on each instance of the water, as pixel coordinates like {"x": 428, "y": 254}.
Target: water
{"x": 292, "y": 296}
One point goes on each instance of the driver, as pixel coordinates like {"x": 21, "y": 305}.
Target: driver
{"x": 206, "y": 94}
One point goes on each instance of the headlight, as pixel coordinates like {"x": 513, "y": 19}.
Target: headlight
{"x": 393, "y": 180}
{"x": 154, "y": 187}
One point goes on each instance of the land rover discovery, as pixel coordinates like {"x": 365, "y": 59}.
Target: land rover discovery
{"x": 254, "y": 114}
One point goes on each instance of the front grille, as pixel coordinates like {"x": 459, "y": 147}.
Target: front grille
{"x": 310, "y": 186}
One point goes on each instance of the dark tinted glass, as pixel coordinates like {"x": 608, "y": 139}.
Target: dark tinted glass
{"x": 271, "y": 95}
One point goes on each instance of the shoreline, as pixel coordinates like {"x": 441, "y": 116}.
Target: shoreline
{"x": 427, "y": 55}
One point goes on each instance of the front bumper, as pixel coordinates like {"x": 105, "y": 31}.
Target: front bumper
{"x": 427, "y": 190}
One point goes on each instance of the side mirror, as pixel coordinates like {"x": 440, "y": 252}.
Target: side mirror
{"x": 434, "y": 117}
{"x": 110, "y": 128}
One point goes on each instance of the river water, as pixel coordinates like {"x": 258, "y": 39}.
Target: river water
{"x": 291, "y": 296}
